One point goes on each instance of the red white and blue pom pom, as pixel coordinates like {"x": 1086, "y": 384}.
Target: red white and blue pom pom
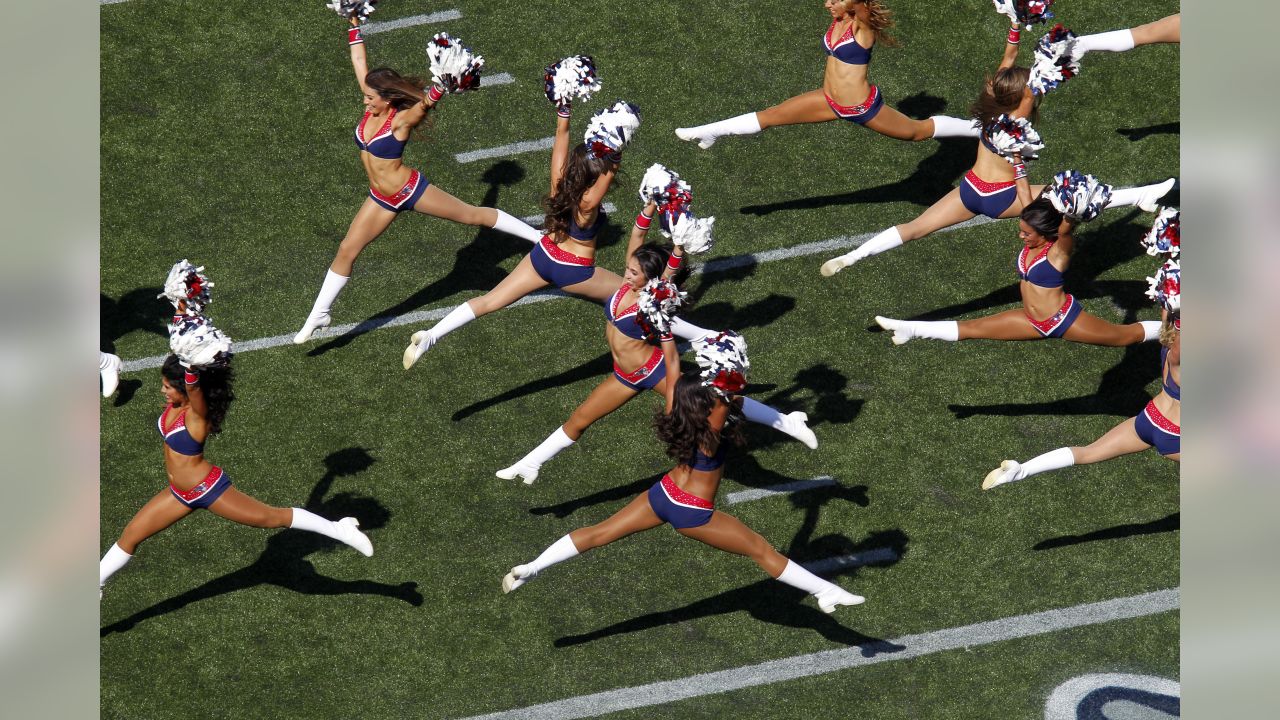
{"x": 1055, "y": 61}
{"x": 199, "y": 344}
{"x": 611, "y": 129}
{"x": 1165, "y": 234}
{"x": 573, "y": 78}
{"x": 693, "y": 234}
{"x": 655, "y": 182}
{"x": 1166, "y": 287}
{"x": 659, "y": 301}
{"x": 723, "y": 359}
{"x": 188, "y": 284}
{"x": 352, "y": 8}
{"x": 1029, "y": 12}
{"x": 453, "y": 66}
{"x": 1013, "y": 138}
{"x": 1077, "y": 195}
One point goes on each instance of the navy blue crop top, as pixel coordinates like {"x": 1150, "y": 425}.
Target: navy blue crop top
{"x": 1170, "y": 385}
{"x": 384, "y": 143}
{"x": 704, "y": 463}
{"x": 628, "y": 322}
{"x": 1041, "y": 272}
{"x": 588, "y": 233}
{"x": 846, "y": 49}
{"x": 177, "y": 437}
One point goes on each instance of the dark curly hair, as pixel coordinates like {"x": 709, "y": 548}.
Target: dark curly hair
{"x": 1002, "y": 94}
{"x": 214, "y": 382}
{"x": 1043, "y": 217}
{"x": 581, "y": 171}
{"x": 688, "y": 427}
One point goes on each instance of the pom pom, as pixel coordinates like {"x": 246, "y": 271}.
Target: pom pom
{"x": 659, "y": 301}
{"x": 655, "y": 182}
{"x": 187, "y": 284}
{"x": 693, "y": 234}
{"x": 1077, "y": 195}
{"x": 723, "y": 359}
{"x": 1013, "y": 137}
{"x": 1055, "y": 61}
{"x": 453, "y": 67}
{"x": 353, "y": 8}
{"x": 1165, "y": 233}
{"x": 611, "y": 129}
{"x": 571, "y": 78}
{"x": 199, "y": 344}
{"x": 1028, "y": 12}
{"x": 1166, "y": 287}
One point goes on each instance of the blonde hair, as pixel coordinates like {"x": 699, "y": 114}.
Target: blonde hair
{"x": 879, "y": 18}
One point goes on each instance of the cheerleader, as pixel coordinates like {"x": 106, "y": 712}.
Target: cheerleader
{"x": 856, "y": 27}
{"x": 109, "y": 369}
{"x": 1047, "y": 310}
{"x": 700, "y": 422}
{"x": 1158, "y": 425}
{"x": 1165, "y": 30}
{"x": 637, "y": 364}
{"x": 394, "y": 106}
{"x": 997, "y": 185}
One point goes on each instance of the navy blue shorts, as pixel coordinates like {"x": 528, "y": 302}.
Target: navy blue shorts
{"x": 1056, "y": 325}
{"x": 558, "y": 266}
{"x": 406, "y": 197}
{"x": 646, "y": 376}
{"x": 986, "y": 198}
{"x": 675, "y": 506}
{"x": 861, "y": 114}
{"x": 203, "y": 495}
{"x": 1157, "y": 430}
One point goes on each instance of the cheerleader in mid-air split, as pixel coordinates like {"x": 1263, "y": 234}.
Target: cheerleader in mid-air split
{"x": 700, "y": 422}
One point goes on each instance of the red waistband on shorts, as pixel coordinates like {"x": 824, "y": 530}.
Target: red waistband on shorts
{"x": 846, "y": 110}
{"x": 1048, "y": 325}
{"x": 643, "y": 371}
{"x": 402, "y": 194}
{"x": 985, "y": 187}
{"x": 560, "y": 255}
{"x": 215, "y": 474}
{"x": 681, "y": 497}
{"x": 1158, "y": 419}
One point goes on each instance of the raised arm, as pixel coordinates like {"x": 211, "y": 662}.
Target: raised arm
{"x": 195, "y": 396}
{"x": 560, "y": 147}
{"x": 640, "y": 230}
{"x": 1011, "y": 47}
{"x": 1066, "y": 238}
{"x": 359, "y": 61}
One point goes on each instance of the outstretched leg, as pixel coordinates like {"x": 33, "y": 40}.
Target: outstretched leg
{"x": 946, "y": 212}
{"x": 370, "y": 222}
{"x": 438, "y": 203}
{"x": 161, "y": 511}
{"x": 1120, "y": 440}
{"x": 246, "y": 510}
{"x": 599, "y": 287}
{"x": 1165, "y": 30}
{"x": 522, "y": 281}
{"x": 810, "y": 107}
{"x": 725, "y": 532}
{"x": 608, "y": 396}
{"x": 1092, "y": 330}
{"x": 635, "y": 517}
{"x": 793, "y": 424}
{"x": 892, "y": 123}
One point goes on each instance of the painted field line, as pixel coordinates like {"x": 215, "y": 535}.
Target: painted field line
{"x": 840, "y": 243}
{"x": 820, "y": 663}
{"x": 499, "y": 79}
{"x": 370, "y": 28}
{"x": 782, "y": 489}
{"x": 524, "y": 146}
{"x": 109, "y": 2}
{"x": 536, "y": 220}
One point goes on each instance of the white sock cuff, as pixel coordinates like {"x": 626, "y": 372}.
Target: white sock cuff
{"x": 936, "y": 329}
{"x": 507, "y": 223}
{"x": 1150, "y": 330}
{"x": 757, "y": 412}
{"x": 947, "y": 126}
{"x": 747, "y": 124}
{"x": 456, "y": 318}
{"x": 796, "y": 576}
{"x": 560, "y": 550}
{"x": 329, "y": 289}
{"x": 115, "y": 559}
{"x": 1052, "y": 460}
{"x": 686, "y": 330}
{"x": 886, "y": 240}
{"x": 1113, "y": 41}
{"x": 311, "y": 522}
{"x": 547, "y": 449}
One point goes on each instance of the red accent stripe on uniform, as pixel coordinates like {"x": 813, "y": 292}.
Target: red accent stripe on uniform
{"x": 680, "y": 497}
{"x": 1158, "y": 419}
{"x": 402, "y": 194}
{"x": 643, "y": 371}
{"x": 617, "y": 298}
{"x": 562, "y": 256}
{"x": 851, "y": 110}
{"x": 982, "y": 187}
{"x": 1051, "y": 323}
{"x": 198, "y": 491}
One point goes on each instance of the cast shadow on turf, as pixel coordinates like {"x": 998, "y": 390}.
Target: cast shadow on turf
{"x": 933, "y": 177}
{"x": 770, "y": 601}
{"x": 1168, "y": 523}
{"x": 1136, "y": 134}
{"x": 478, "y": 266}
{"x": 135, "y": 310}
{"x": 283, "y": 562}
{"x": 713, "y": 316}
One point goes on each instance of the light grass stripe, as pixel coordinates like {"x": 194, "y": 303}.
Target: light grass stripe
{"x": 820, "y": 663}
{"x": 720, "y": 265}
{"x": 370, "y": 28}
{"x": 499, "y": 79}
{"x": 524, "y": 146}
{"x": 783, "y": 489}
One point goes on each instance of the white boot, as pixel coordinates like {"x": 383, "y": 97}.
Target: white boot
{"x": 836, "y": 264}
{"x": 528, "y": 473}
{"x": 314, "y": 322}
{"x": 419, "y": 344}
{"x": 518, "y": 576}
{"x": 109, "y": 368}
{"x": 349, "y": 533}
{"x": 901, "y": 331}
{"x": 835, "y": 596}
{"x": 1152, "y": 194}
{"x": 1006, "y": 473}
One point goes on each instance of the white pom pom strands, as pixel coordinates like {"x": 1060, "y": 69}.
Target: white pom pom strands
{"x": 653, "y": 186}
{"x": 1028, "y": 12}
{"x": 573, "y": 78}
{"x": 611, "y": 130}
{"x": 1013, "y": 138}
{"x": 360, "y": 9}
{"x": 1166, "y": 287}
{"x": 658, "y": 302}
{"x": 724, "y": 363}
{"x": 189, "y": 285}
{"x": 1055, "y": 62}
{"x": 1165, "y": 236}
{"x": 1078, "y": 196}
{"x": 692, "y": 234}
{"x": 453, "y": 67}
{"x": 199, "y": 344}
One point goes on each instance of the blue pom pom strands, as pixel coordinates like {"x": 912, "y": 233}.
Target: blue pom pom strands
{"x": 658, "y": 302}
{"x": 1078, "y": 196}
{"x": 192, "y": 336}
{"x": 611, "y": 130}
{"x": 359, "y": 9}
{"x": 1166, "y": 287}
{"x": 1013, "y": 138}
{"x": 1056, "y": 61}
{"x": 1165, "y": 235}
{"x": 723, "y": 361}
{"x": 1027, "y": 12}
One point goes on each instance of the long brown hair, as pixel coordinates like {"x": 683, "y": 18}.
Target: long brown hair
{"x": 215, "y": 383}
{"x": 396, "y": 88}
{"x": 879, "y": 18}
{"x": 581, "y": 171}
{"x": 688, "y": 426}
{"x": 1002, "y": 93}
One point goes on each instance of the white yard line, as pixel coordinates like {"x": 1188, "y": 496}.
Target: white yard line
{"x": 370, "y": 28}
{"x": 783, "y": 489}
{"x": 524, "y": 146}
{"x": 819, "y": 663}
{"x": 423, "y": 316}
{"x": 499, "y": 79}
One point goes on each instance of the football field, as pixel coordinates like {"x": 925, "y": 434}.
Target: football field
{"x": 226, "y": 131}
